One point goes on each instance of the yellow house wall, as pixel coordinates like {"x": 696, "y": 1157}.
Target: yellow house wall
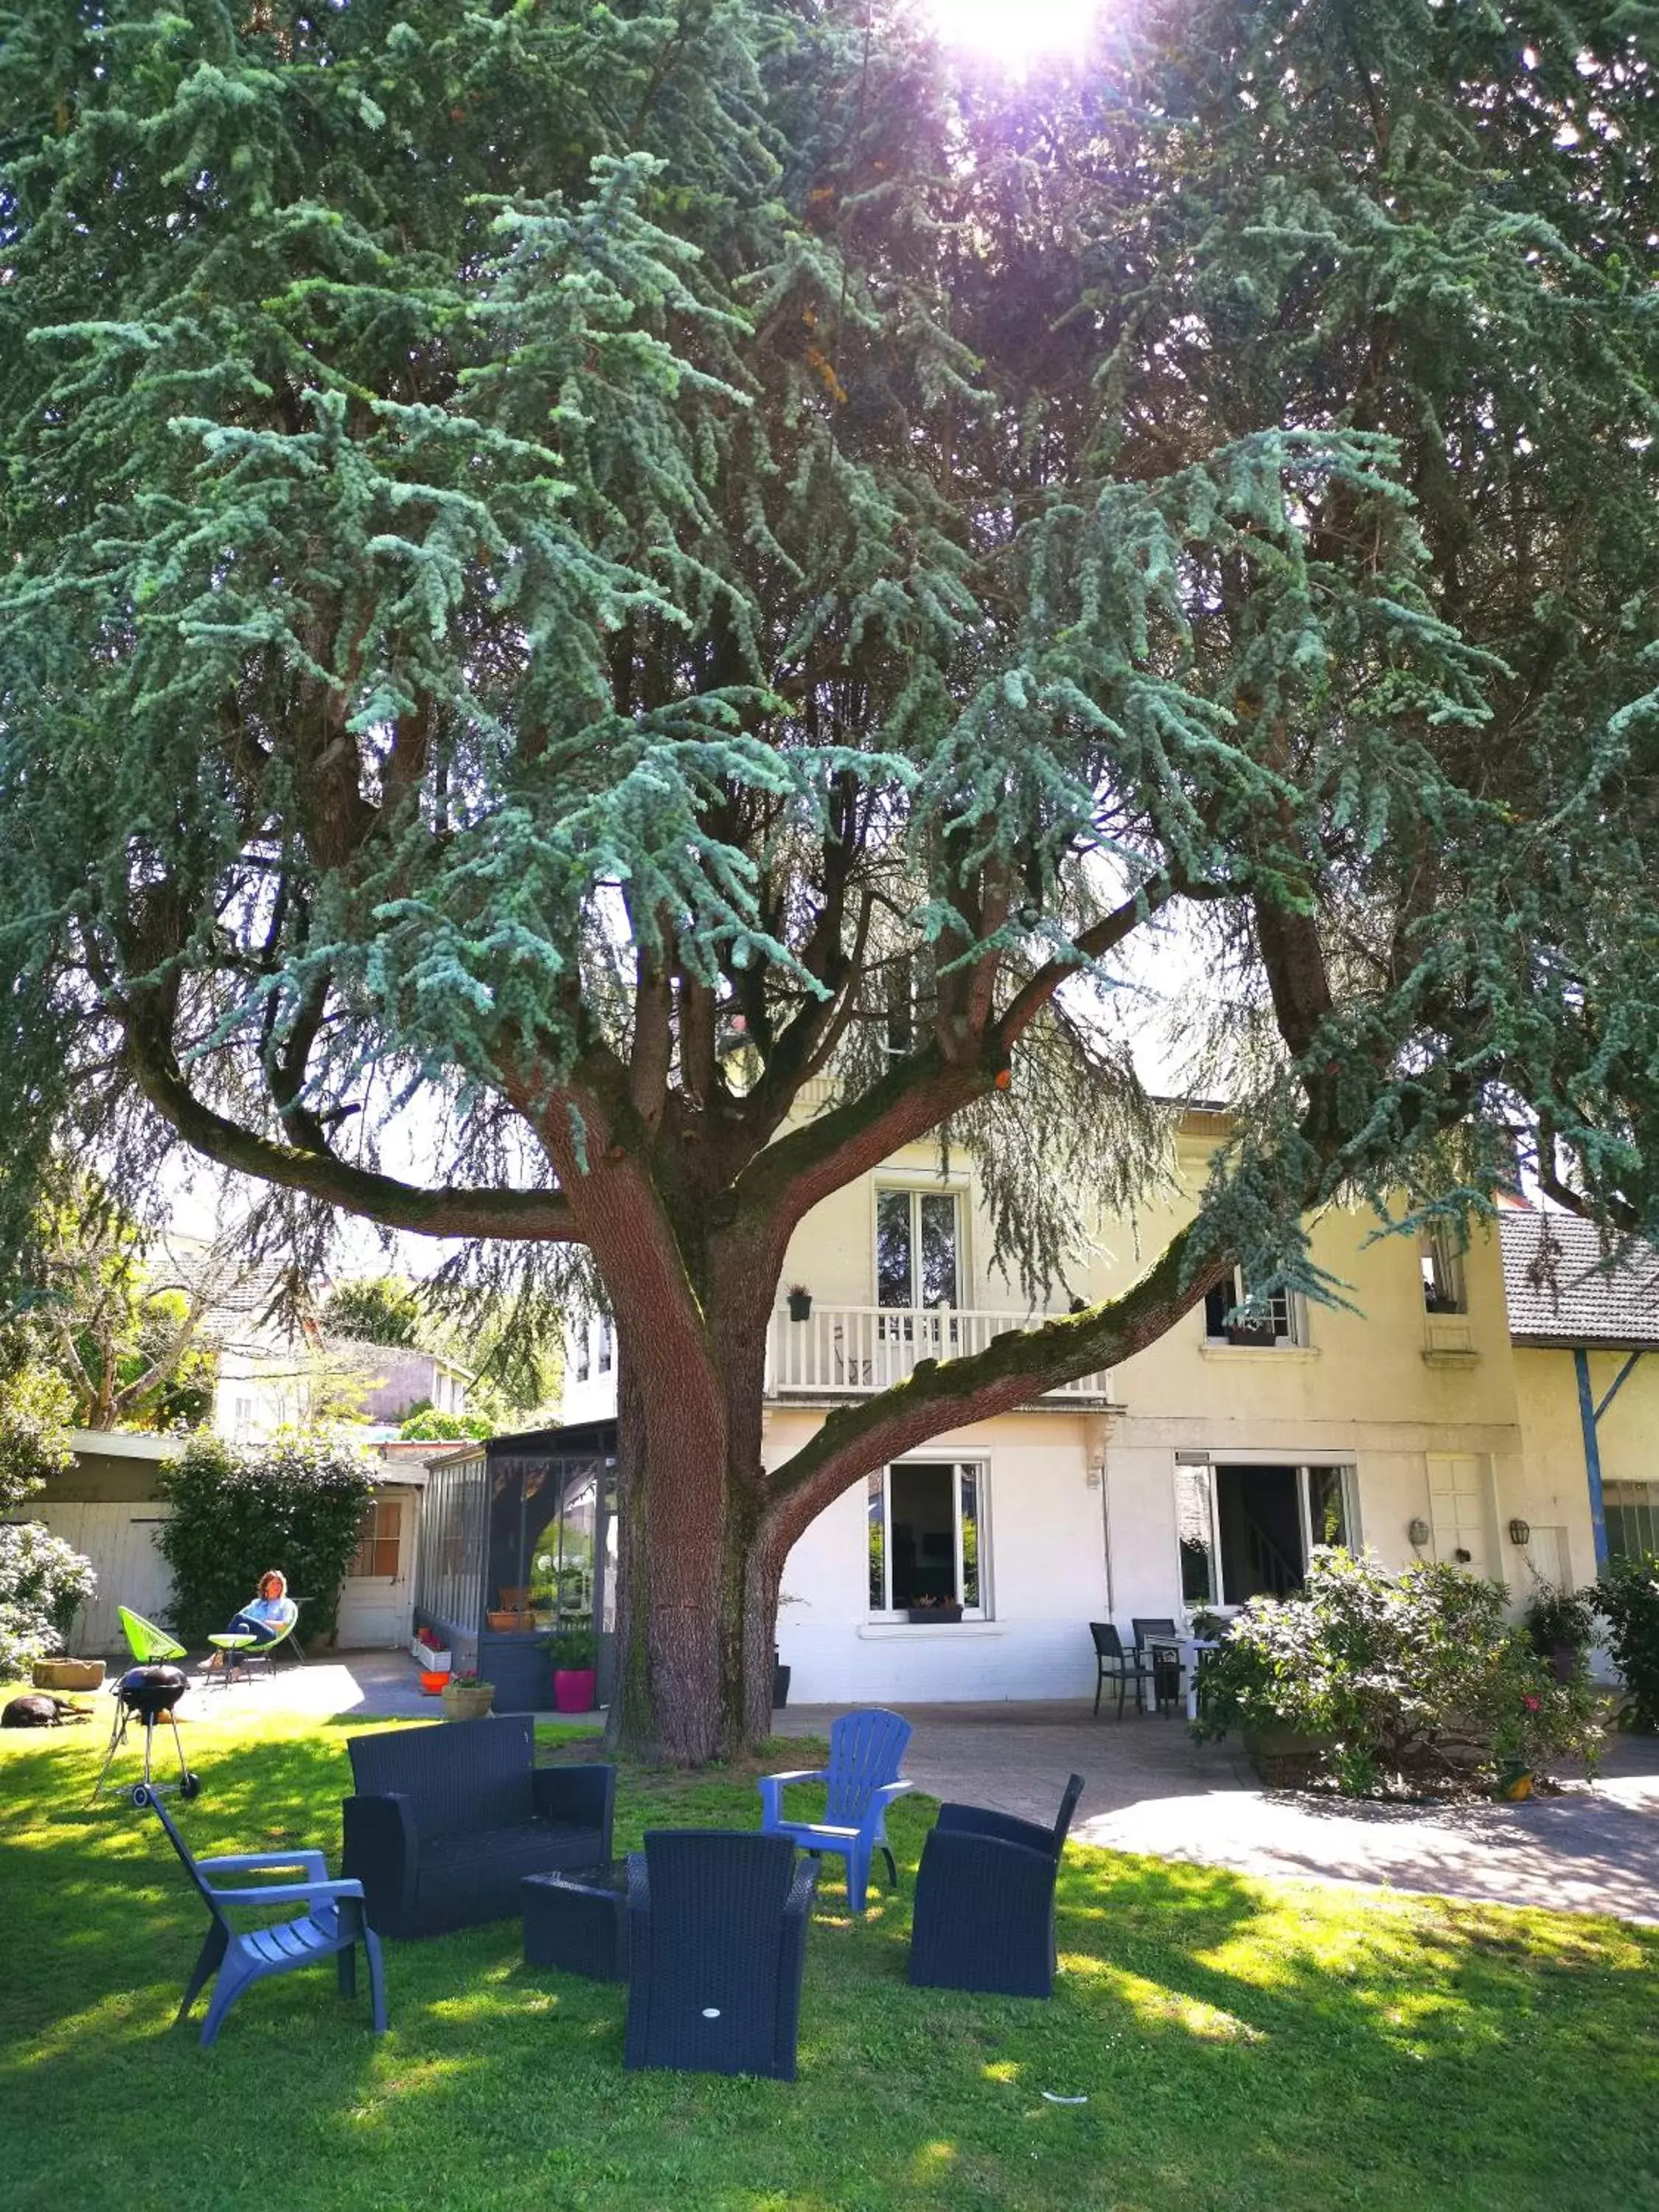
{"x": 1556, "y": 1488}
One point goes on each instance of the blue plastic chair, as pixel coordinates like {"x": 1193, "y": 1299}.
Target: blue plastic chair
{"x": 332, "y": 1927}
{"x": 865, "y": 1751}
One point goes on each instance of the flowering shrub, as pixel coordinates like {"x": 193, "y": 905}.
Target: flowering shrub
{"x": 1416, "y": 1676}
{"x": 43, "y": 1583}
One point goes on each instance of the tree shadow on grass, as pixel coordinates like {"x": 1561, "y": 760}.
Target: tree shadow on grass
{"x": 1242, "y": 2045}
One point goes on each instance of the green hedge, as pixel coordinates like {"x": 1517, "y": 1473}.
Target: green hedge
{"x": 295, "y": 1504}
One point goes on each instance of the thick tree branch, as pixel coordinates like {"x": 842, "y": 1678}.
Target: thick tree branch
{"x": 445, "y": 1210}
{"x": 1013, "y": 1370}
{"x": 1093, "y": 944}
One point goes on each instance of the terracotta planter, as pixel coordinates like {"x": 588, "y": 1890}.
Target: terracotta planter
{"x": 467, "y": 1702}
{"x": 574, "y": 1688}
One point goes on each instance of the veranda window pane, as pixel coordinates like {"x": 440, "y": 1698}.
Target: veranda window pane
{"x": 878, "y": 1519}
{"x": 939, "y": 1248}
{"x": 970, "y": 1487}
{"x": 1194, "y": 1528}
{"x": 893, "y": 1254}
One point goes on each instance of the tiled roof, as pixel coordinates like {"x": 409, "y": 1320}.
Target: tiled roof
{"x": 1560, "y": 1292}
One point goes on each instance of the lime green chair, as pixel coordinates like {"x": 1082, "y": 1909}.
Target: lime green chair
{"x": 240, "y": 1648}
{"x": 149, "y": 1645}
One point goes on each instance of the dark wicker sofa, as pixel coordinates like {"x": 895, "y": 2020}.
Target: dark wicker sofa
{"x": 447, "y": 1821}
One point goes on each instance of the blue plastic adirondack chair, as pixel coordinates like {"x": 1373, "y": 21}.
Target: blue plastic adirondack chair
{"x": 332, "y": 1927}
{"x": 865, "y": 1751}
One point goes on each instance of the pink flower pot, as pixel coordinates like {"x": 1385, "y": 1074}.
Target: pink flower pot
{"x": 572, "y": 1689}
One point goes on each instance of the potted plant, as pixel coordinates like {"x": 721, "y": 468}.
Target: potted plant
{"x": 933, "y": 1608}
{"x": 575, "y": 1675}
{"x": 1561, "y": 1626}
{"x": 800, "y": 1302}
{"x": 466, "y": 1698}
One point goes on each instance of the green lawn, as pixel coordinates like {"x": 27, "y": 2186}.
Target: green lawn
{"x": 1241, "y": 2043}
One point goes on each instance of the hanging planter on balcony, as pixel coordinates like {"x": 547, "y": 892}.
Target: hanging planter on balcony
{"x": 800, "y": 1302}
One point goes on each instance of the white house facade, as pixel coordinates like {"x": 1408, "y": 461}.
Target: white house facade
{"x": 1198, "y": 1475}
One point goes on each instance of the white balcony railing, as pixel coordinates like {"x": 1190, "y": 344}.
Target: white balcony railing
{"x": 848, "y": 1352}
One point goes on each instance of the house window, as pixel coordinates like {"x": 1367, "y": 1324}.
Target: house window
{"x": 918, "y": 1245}
{"x": 1440, "y": 1257}
{"x": 1631, "y": 1510}
{"x": 1246, "y": 1531}
{"x": 927, "y": 1526}
{"x": 1279, "y": 1325}
{"x": 605, "y": 1343}
{"x": 376, "y": 1554}
{"x": 584, "y": 1356}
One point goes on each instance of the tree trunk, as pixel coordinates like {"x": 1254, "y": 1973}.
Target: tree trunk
{"x": 697, "y": 1586}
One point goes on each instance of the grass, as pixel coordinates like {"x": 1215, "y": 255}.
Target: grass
{"x": 1244, "y": 2046}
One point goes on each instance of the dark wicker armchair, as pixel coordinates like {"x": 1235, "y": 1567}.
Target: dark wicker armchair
{"x": 984, "y": 1900}
{"x": 447, "y": 1821}
{"x": 716, "y": 1946}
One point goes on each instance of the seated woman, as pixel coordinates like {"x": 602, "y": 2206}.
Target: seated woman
{"x": 267, "y": 1620}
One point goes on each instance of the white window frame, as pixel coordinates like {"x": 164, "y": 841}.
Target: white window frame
{"x": 582, "y": 1350}
{"x": 981, "y": 1469}
{"x": 1347, "y": 1468}
{"x": 1296, "y": 1315}
{"x": 1440, "y": 1255}
{"x": 607, "y": 1359}
{"x": 915, "y": 1189}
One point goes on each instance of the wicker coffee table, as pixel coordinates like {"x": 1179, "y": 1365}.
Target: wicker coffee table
{"x": 578, "y": 1923}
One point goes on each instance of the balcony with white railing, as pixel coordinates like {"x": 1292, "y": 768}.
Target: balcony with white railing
{"x": 849, "y": 1351}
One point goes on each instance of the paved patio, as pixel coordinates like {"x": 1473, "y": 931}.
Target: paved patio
{"x": 1151, "y": 1788}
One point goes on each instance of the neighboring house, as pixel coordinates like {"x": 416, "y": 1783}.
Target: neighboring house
{"x": 264, "y": 1387}
{"x": 1588, "y": 1392}
{"x": 1198, "y": 1474}
{"x": 106, "y": 1505}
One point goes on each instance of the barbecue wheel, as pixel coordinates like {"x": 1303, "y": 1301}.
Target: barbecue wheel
{"x": 190, "y": 1786}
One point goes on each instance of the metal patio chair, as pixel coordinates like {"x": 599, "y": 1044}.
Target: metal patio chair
{"x": 1114, "y": 1664}
{"x": 865, "y": 1751}
{"x": 1159, "y": 1642}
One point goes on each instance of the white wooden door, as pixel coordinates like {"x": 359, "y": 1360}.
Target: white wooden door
{"x": 120, "y": 1542}
{"x": 1460, "y": 1504}
{"x": 375, "y": 1608}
